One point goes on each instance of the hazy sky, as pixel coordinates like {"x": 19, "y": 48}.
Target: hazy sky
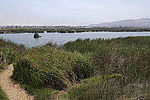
{"x": 70, "y": 12}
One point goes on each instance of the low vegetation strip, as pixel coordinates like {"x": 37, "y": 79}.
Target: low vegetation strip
{"x": 13, "y": 91}
{"x": 72, "y": 30}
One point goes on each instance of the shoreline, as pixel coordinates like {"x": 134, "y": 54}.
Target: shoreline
{"x": 80, "y": 32}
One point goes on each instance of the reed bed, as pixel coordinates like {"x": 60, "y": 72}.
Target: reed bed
{"x": 87, "y": 69}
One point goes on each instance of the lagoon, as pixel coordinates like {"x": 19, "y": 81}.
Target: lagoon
{"x": 28, "y": 40}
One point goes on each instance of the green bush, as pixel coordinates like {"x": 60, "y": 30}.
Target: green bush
{"x": 9, "y": 53}
{"x": 48, "y": 67}
{"x": 83, "y": 68}
{"x": 43, "y": 94}
{"x": 96, "y": 88}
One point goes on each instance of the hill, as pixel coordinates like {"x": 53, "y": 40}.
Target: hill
{"x": 138, "y": 23}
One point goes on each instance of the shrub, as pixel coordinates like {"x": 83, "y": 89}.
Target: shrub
{"x": 96, "y": 88}
{"x": 83, "y": 67}
{"x": 46, "y": 67}
{"x": 9, "y": 52}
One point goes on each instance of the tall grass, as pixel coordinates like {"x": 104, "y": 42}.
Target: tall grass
{"x": 9, "y": 52}
{"x": 49, "y": 67}
{"x": 87, "y": 69}
{"x": 128, "y": 57}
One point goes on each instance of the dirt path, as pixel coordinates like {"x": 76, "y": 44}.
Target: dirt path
{"x": 13, "y": 91}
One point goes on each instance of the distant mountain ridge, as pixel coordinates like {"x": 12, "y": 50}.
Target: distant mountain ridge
{"x": 140, "y": 23}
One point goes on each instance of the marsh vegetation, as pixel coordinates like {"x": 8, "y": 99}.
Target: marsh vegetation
{"x": 9, "y": 53}
{"x": 65, "y": 29}
{"x": 84, "y": 69}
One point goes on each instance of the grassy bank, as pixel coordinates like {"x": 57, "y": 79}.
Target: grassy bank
{"x": 9, "y": 53}
{"x": 128, "y": 57}
{"x": 96, "y": 69}
{"x": 49, "y": 67}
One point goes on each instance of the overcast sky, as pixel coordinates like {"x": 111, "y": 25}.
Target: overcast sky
{"x": 70, "y": 12}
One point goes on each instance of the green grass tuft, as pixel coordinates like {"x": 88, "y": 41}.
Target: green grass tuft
{"x": 3, "y": 95}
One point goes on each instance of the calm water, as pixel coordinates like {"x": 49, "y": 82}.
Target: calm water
{"x": 59, "y": 38}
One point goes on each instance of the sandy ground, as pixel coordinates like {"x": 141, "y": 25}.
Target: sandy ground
{"x": 13, "y": 91}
